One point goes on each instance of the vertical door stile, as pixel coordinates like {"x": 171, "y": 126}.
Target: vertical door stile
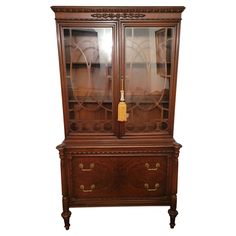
{"x": 121, "y": 73}
{"x": 116, "y": 76}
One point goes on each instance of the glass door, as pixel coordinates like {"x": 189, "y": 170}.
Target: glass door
{"x": 88, "y": 55}
{"x": 148, "y": 73}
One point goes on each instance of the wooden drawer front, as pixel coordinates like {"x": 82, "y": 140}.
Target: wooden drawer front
{"x": 91, "y": 176}
{"x": 119, "y": 176}
{"x": 147, "y": 176}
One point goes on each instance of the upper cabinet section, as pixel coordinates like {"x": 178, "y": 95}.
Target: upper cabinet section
{"x": 110, "y": 55}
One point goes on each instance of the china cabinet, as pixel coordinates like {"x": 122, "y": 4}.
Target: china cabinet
{"x": 118, "y": 69}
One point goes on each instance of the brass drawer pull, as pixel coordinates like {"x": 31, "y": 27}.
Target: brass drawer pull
{"x": 92, "y": 187}
{"x": 91, "y": 166}
{"x": 148, "y": 166}
{"x": 157, "y": 185}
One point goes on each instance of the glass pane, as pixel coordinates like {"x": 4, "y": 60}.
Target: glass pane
{"x": 148, "y": 53}
{"x": 88, "y": 56}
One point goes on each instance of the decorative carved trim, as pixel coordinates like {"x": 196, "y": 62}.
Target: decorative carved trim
{"x": 65, "y": 152}
{"x": 61, "y": 149}
{"x": 118, "y": 15}
{"x": 107, "y": 19}
{"x": 163, "y": 9}
{"x": 118, "y": 152}
{"x": 177, "y": 147}
{"x": 61, "y": 146}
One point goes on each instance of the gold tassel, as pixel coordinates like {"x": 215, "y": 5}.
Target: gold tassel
{"x": 122, "y": 108}
{"x": 122, "y": 111}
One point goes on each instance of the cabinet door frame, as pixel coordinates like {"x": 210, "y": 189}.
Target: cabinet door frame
{"x": 115, "y": 67}
{"x": 153, "y": 23}
{"x": 118, "y": 65}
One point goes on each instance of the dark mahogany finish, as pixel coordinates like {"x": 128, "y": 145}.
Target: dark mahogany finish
{"x": 105, "y": 162}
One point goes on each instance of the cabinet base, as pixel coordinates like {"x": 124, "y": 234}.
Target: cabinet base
{"x": 66, "y": 216}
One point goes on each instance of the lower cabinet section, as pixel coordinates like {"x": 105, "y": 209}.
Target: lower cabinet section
{"x": 104, "y": 177}
{"x": 120, "y": 176}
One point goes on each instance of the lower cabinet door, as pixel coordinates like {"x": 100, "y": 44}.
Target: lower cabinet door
{"x": 96, "y": 177}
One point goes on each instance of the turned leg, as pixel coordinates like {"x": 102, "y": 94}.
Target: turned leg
{"x": 172, "y": 211}
{"x": 66, "y": 216}
{"x": 66, "y": 212}
{"x": 173, "y": 214}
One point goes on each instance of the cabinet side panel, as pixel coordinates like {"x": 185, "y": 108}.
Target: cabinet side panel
{"x": 174, "y": 81}
{"x": 62, "y": 76}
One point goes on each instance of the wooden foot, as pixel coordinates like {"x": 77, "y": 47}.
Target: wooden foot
{"x": 66, "y": 212}
{"x": 173, "y": 214}
{"x": 66, "y": 216}
{"x": 172, "y": 211}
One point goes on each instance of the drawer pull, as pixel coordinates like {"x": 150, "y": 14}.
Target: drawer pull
{"x": 92, "y": 187}
{"x": 157, "y": 185}
{"x": 91, "y": 166}
{"x": 150, "y": 169}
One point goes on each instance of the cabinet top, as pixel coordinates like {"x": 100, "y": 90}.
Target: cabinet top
{"x": 119, "y": 12}
{"x": 147, "y": 9}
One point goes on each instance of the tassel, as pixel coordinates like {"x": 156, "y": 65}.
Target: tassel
{"x": 122, "y": 108}
{"x": 122, "y": 111}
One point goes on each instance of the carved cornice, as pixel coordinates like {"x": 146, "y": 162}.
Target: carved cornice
{"x": 162, "y": 9}
{"x": 118, "y": 15}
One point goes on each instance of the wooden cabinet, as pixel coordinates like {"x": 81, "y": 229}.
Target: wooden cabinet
{"x": 112, "y": 56}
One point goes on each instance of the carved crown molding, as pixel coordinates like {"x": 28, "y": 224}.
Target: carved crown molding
{"x": 118, "y": 15}
{"x": 162, "y": 9}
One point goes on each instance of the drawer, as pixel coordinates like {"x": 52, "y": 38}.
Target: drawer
{"x": 147, "y": 176}
{"x": 118, "y": 176}
{"x": 91, "y": 176}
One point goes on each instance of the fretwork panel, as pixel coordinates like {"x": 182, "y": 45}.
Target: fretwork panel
{"x": 88, "y": 56}
{"x": 147, "y": 77}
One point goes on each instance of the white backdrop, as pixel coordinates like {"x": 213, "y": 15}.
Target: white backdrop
{"x": 31, "y": 125}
